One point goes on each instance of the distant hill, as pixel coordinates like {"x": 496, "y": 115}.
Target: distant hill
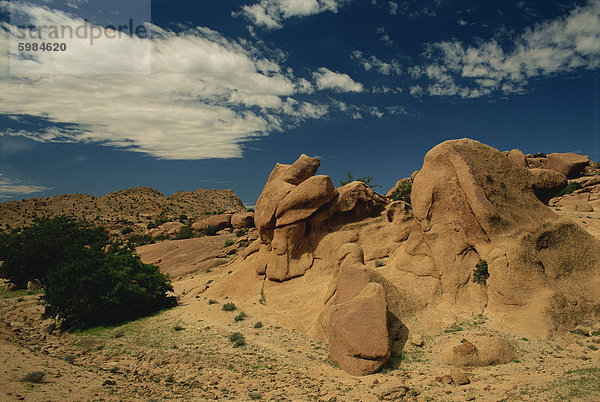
{"x": 135, "y": 206}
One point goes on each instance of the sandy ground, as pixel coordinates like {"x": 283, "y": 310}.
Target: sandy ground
{"x": 185, "y": 353}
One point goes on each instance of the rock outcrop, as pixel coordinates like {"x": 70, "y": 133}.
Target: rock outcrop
{"x": 472, "y": 204}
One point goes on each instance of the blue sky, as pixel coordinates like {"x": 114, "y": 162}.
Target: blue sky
{"x": 237, "y": 86}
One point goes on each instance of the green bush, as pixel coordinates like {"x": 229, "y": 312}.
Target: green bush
{"x": 126, "y": 230}
{"x": 35, "y": 376}
{"x": 540, "y": 155}
{"x": 258, "y": 325}
{"x": 185, "y": 232}
{"x": 211, "y": 230}
{"x": 228, "y": 307}
{"x": 94, "y": 288}
{"x": 229, "y": 242}
{"x": 237, "y": 339}
{"x": 481, "y": 274}
{"x": 570, "y": 188}
{"x": 365, "y": 179}
{"x": 240, "y": 317}
{"x": 31, "y": 253}
{"x": 140, "y": 240}
{"x": 379, "y": 263}
{"x": 402, "y": 193}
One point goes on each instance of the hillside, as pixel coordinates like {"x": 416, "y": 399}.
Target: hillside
{"x": 138, "y": 205}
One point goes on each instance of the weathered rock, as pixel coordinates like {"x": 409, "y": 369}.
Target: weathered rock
{"x": 390, "y": 392}
{"x": 517, "y": 157}
{"x": 34, "y": 285}
{"x": 10, "y": 287}
{"x": 470, "y": 203}
{"x": 220, "y": 221}
{"x": 483, "y": 352}
{"x": 459, "y": 377}
{"x": 304, "y": 200}
{"x": 417, "y": 340}
{"x": 583, "y": 206}
{"x": 170, "y": 227}
{"x": 547, "y": 183}
{"x": 358, "y": 201}
{"x": 242, "y": 220}
{"x": 570, "y": 164}
{"x": 282, "y": 180}
{"x": 358, "y": 336}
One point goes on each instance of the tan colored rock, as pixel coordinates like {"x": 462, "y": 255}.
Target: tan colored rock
{"x": 358, "y": 336}
{"x": 282, "y": 180}
{"x": 360, "y": 199}
{"x": 242, "y": 220}
{"x": 470, "y": 203}
{"x": 570, "y": 164}
{"x": 170, "y": 227}
{"x": 547, "y": 183}
{"x": 10, "y": 287}
{"x": 417, "y": 340}
{"x": 34, "y": 285}
{"x": 517, "y": 157}
{"x": 304, "y": 200}
{"x": 482, "y": 352}
{"x": 220, "y": 221}
{"x": 583, "y": 206}
{"x": 459, "y": 377}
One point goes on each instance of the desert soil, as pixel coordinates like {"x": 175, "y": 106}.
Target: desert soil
{"x": 185, "y": 352}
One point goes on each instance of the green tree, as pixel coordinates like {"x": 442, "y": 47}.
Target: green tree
{"x": 94, "y": 288}
{"x": 31, "y": 253}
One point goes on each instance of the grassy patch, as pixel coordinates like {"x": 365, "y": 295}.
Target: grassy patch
{"x": 18, "y": 293}
{"x": 576, "y": 384}
{"x": 237, "y": 338}
{"x": 240, "y": 317}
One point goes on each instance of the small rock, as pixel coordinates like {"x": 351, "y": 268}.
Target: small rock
{"x": 392, "y": 392}
{"x": 417, "y": 340}
{"x": 459, "y": 377}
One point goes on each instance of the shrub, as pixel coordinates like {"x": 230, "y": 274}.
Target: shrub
{"x": 211, "y": 230}
{"x": 31, "y": 253}
{"x": 481, "y": 274}
{"x": 365, "y": 179}
{"x": 241, "y": 232}
{"x": 229, "y": 307}
{"x": 126, "y": 230}
{"x": 35, "y": 376}
{"x": 258, "y": 325}
{"x": 178, "y": 328}
{"x": 540, "y": 155}
{"x": 570, "y": 188}
{"x": 229, "y": 242}
{"x": 237, "y": 339}
{"x": 240, "y": 317}
{"x": 185, "y": 232}
{"x": 402, "y": 193}
{"x": 140, "y": 240}
{"x": 94, "y": 288}
{"x": 212, "y": 301}
{"x": 379, "y": 263}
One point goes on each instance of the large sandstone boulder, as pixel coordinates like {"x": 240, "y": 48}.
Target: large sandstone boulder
{"x": 570, "y": 164}
{"x": 358, "y": 335}
{"x": 517, "y": 157}
{"x": 547, "y": 183}
{"x": 220, "y": 221}
{"x": 242, "y": 220}
{"x": 472, "y": 204}
{"x": 170, "y": 227}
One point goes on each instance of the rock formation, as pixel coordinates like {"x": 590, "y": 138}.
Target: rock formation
{"x": 471, "y": 208}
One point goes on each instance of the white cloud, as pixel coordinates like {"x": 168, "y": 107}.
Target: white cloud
{"x": 553, "y": 47}
{"x": 339, "y": 82}
{"x": 373, "y": 62}
{"x": 393, "y": 7}
{"x": 270, "y": 14}
{"x": 416, "y": 91}
{"x": 206, "y": 95}
{"x": 11, "y": 187}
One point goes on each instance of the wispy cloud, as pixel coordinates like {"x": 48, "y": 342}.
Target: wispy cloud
{"x": 10, "y": 188}
{"x": 270, "y": 14}
{"x": 339, "y": 82}
{"x": 554, "y": 47}
{"x": 375, "y": 63}
{"x": 207, "y": 94}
